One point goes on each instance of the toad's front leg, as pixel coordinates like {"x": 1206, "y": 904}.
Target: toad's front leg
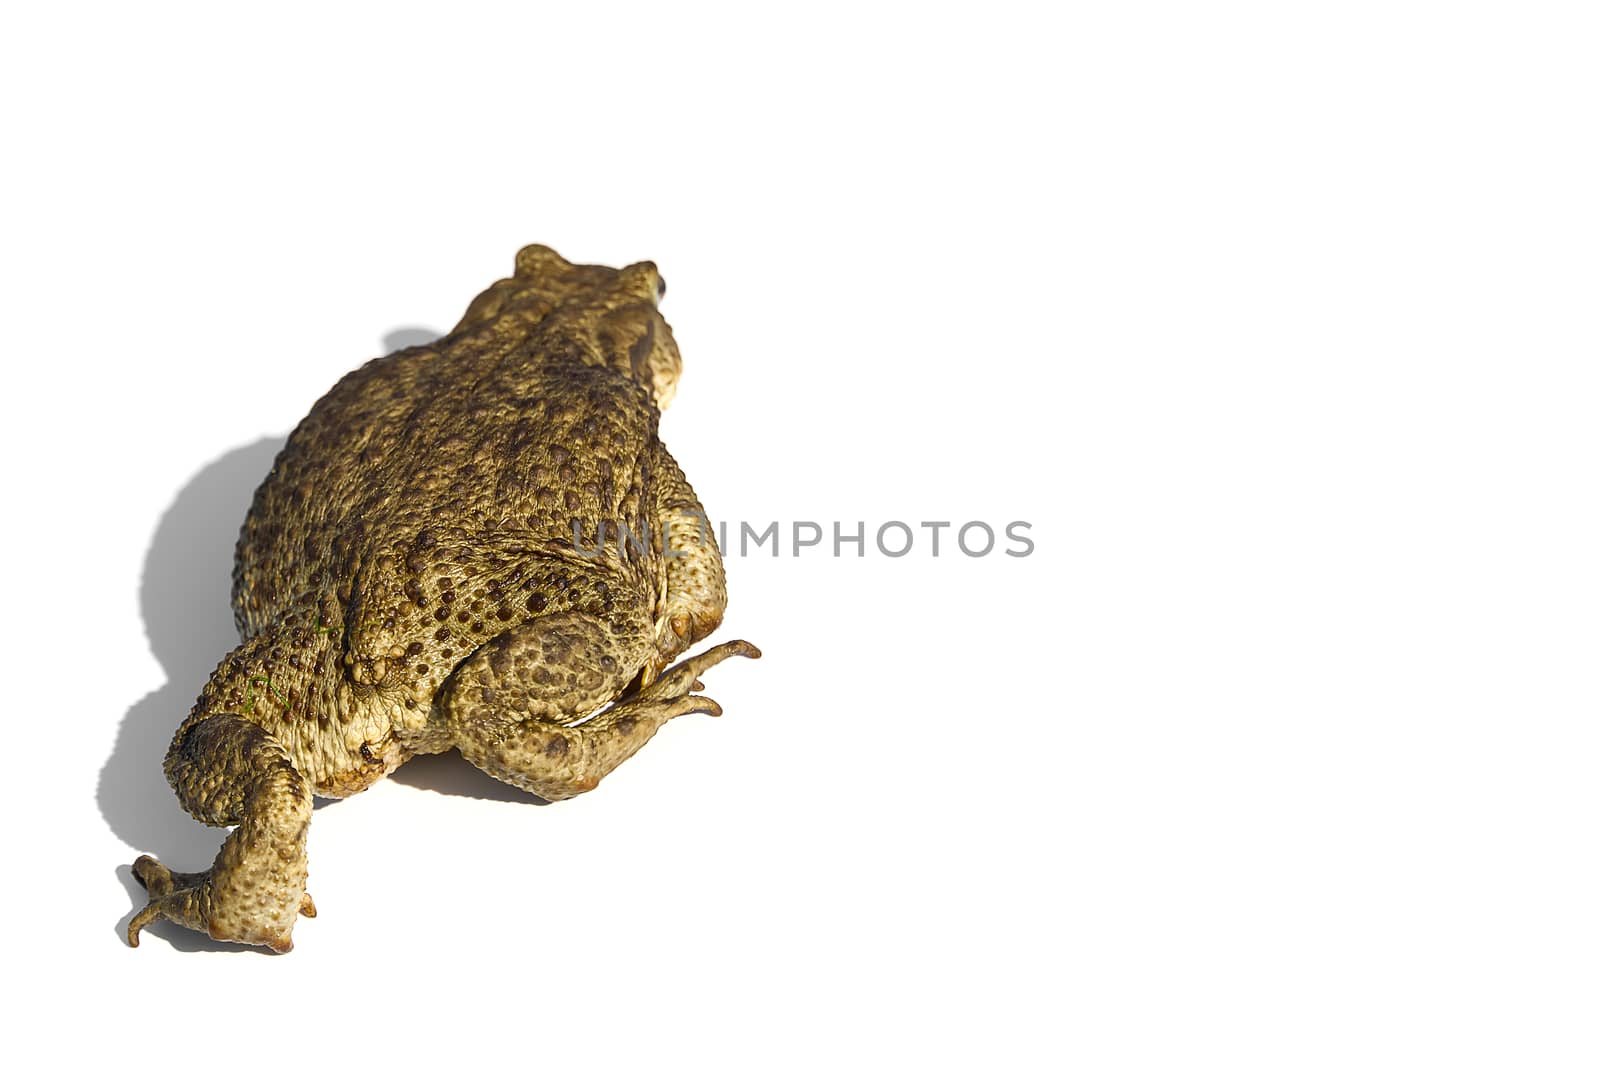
{"x": 229, "y": 770}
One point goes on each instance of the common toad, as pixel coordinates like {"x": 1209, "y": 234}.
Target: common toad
{"x": 478, "y": 544}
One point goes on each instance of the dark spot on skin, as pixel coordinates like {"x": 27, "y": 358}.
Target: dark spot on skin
{"x": 500, "y": 658}
{"x": 556, "y": 747}
{"x": 448, "y": 596}
{"x": 537, "y": 602}
{"x": 422, "y": 669}
{"x": 504, "y": 613}
{"x": 607, "y": 661}
{"x": 626, "y": 724}
{"x": 368, "y": 756}
{"x": 414, "y": 649}
{"x": 441, "y": 614}
{"x": 442, "y": 634}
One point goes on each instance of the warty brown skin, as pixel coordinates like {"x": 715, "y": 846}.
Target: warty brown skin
{"x": 408, "y": 581}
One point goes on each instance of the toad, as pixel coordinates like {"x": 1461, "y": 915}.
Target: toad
{"x": 477, "y": 544}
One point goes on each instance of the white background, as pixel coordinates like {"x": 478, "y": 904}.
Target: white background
{"x": 1277, "y": 323}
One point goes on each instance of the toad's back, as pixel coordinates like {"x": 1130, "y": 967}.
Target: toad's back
{"x": 538, "y": 411}
{"x": 465, "y": 438}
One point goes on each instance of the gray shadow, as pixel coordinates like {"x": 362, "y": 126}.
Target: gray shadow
{"x": 450, "y": 773}
{"x": 406, "y": 337}
{"x": 185, "y": 596}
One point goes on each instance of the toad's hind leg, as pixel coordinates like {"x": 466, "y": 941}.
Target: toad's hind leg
{"x": 514, "y": 706}
{"x": 695, "y": 592}
{"x": 229, "y": 770}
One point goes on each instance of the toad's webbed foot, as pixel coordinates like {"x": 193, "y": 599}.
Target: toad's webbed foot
{"x": 228, "y": 770}
{"x": 684, "y": 677}
{"x": 184, "y": 898}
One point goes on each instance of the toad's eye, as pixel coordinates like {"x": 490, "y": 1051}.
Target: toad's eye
{"x": 661, "y": 288}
